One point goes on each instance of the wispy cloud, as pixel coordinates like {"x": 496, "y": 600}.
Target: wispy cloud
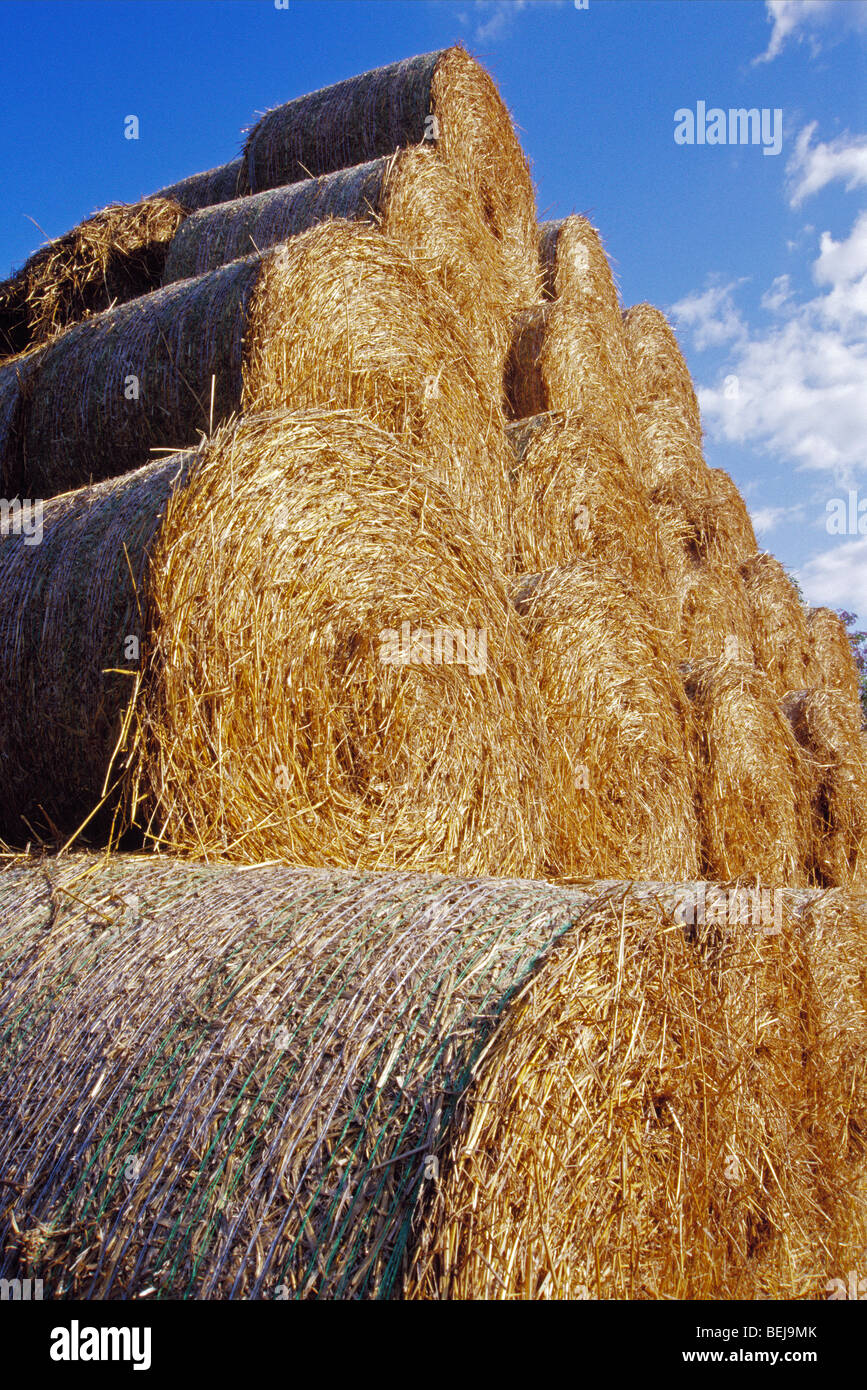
{"x": 810, "y": 21}
{"x": 812, "y": 167}
{"x": 492, "y": 19}
{"x": 767, "y": 519}
{"x": 711, "y": 316}
{"x": 837, "y": 577}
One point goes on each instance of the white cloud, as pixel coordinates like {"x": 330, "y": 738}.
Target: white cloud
{"x": 711, "y": 316}
{"x": 767, "y": 519}
{"x": 837, "y": 577}
{"x": 813, "y": 167}
{"x": 802, "y": 18}
{"x": 494, "y": 17}
{"x": 798, "y": 389}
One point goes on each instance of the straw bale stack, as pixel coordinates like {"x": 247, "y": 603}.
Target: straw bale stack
{"x": 621, "y": 801}
{"x": 733, "y": 518}
{"x": 573, "y": 497}
{"x": 837, "y": 767}
{"x": 831, "y": 659}
{"x": 337, "y": 317}
{"x": 444, "y": 98}
{"x": 412, "y": 196}
{"x": 781, "y": 641}
{"x": 713, "y": 614}
{"x": 660, "y": 374}
{"x": 752, "y": 786}
{"x": 663, "y": 1113}
{"x": 329, "y": 667}
{"x": 114, "y": 256}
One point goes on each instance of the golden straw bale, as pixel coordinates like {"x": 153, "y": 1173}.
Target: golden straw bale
{"x": 621, "y": 801}
{"x": 733, "y": 519}
{"x": 330, "y": 670}
{"x": 781, "y": 641}
{"x": 116, "y": 255}
{"x": 837, "y": 769}
{"x": 444, "y": 98}
{"x": 831, "y": 659}
{"x": 575, "y": 267}
{"x": 212, "y": 186}
{"x": 574, "y": 498}
{"x": 659, "y": 373}
{"x": 752, "y": 790}
{"x": 664, "y": 1112}
{"x": 339, "y": 316}
{"x": 412, "y": 196}
{"x": 714, "y": 618}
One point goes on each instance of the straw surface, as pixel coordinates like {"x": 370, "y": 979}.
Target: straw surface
{"x": 116, "y": 255}
{"x": 574, "y": 497}
{"x": 837, "y": 763}
{"x": 753, "y": 792}
{"x": 659, "y": 373}
{"x": 445, "y": 98}
{"x": 212, "y": 186}
{"x": 831, "y": 660}
{"x": 339, "y": 317}
{"x": 713, "y": 614}
{"x": 227, "y": 1084}
{"x": 662, "y": 1113}
{"x": 781, "y": 641}
{"x": 412, "y": 196}
{"x": 621, "y": 802}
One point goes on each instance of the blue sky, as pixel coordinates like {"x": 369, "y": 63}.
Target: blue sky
{"x": 760, "y": 259}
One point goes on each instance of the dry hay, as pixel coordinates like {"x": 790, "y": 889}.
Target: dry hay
{"x": 831, "y": 659}
{"x": 116, "y": 255}
{"x": 331, "y": 671}
{"x": 212, "y": 186}
{"x": 733, "y": 517}
{"x": 339, "y": 317}
{"x": 573, "y": 497}
{"x": 218, "y": 1083}
{"x": 575, "y": 267}
{"x": 837, "y": 768}
{"x": 621, "y": 798}
{"x": 752, "y": 793}
{"x": 713, "y": 615}
{"x": 781, "y": 641}
{"x": 444, "y": 98}
{"x": 411, "y": 196}
{"x": 663, "y": 1113}
{"x": 660, "y": 375}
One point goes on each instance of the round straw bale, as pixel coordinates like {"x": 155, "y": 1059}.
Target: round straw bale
{"x": 662, "y": 1113}
{"x": 713, "y": 614}
{"x": 235, "y": 1084}
{"x": 733, "y": 521}
{"x": 831, "y": 659}
{"x": 576, "y": 267}
{"x": 837, "y": 769}
{"x": 781, "y": 641}
{"x": 559, "y": 360}
{"x": 622, "y": 800}
{"x": 670, "y": 456}
{"x": 116, "y": 255}
{"x": 573, "y": 497}
{"x": 212, "y": 186}
{"x": 445, "y": 98}
{"x": 659, "y": 372}
{"x": 376, "y": 705}
{"x": 340, "y": 316}
{"x": 752, "y": 795}
{"x": 412, "y": 196}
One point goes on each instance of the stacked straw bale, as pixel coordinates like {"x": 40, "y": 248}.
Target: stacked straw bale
{"x": 752, "y": 786}
{"x": 290, "y": 1083}
{"x": 330, "y": 669}
{"x": 569, "y": 352}
{"x": 444, "y": 98}
{"x": 667, "y": 416}
{"x": 114, "y": 256}
{"x": 781, "y": 641}
{"x": 279, "y": 1053}
{"x": 662, "y": 1115}
{"x": 412, "y": 196}
{"x": 831, "y": 659}
{"x": 212, "y": 186}
{"x": 713, "y": 614}
{"x": 573, "y": 497}
{"x": 621, "y": 800}
{"x": 339, "y": 316}
{"x": 837, "y": 769}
